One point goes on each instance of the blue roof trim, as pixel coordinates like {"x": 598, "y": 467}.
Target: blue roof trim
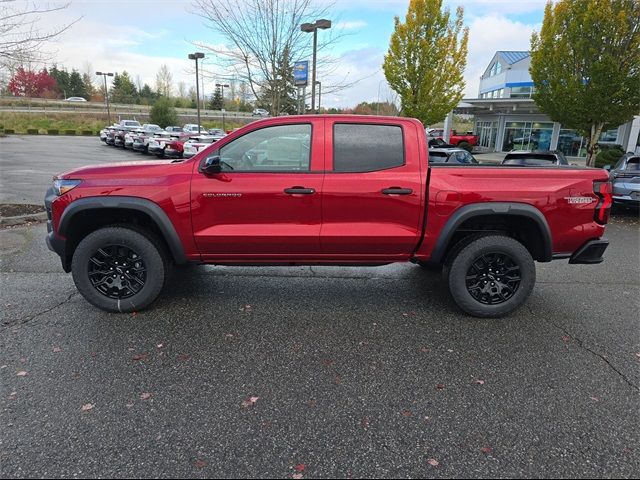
{"x": 519, "y": 84}
{"x": 513, "y": 57}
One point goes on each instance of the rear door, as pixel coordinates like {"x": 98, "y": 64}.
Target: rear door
{"x": 265, "y": 204}
{"x": 373, "y": 190}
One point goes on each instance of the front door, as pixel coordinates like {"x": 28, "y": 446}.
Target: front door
{"x": 265, "y": 203}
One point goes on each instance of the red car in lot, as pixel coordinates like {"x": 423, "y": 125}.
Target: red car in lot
{"x": 455, "y": 138}
{"x": 324, "y": 190}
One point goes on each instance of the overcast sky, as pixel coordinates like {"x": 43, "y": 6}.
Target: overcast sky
{"x": 140, "y": 35}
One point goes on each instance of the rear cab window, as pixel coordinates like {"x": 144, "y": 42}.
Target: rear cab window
{"x": 364, "y": 147}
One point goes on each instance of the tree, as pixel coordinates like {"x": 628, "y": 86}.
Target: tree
{"x": 585, "y": 65}
{"x": 216, "y": 102}
{"x": 21, "y": 37}
{"x": 26, "y": 83}
{"x": 280, "y": 96}
{"x": 162, "y": 113}
{"x": 63, "y": 81}
{"x": 164, "y": 81}
{"x": 89, "y": 89}
{"x": 426, "y": 60}
{"x": 123, "y": 90}
{"x": 76, "y": 85}
{"x": 146, "y": 95}
{"x": 262, "y": 37}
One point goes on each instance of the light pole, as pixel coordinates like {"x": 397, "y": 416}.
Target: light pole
{"x": 319, "y": 94}
{"x": 196, "y": 56}
{"x": 106, "y": 92}
{"x": 221, "y": 86}
{"x": 309, "y": 28}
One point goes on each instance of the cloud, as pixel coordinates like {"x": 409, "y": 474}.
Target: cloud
{"x": 351, "y": 25}
{"x": 488, "y": 34}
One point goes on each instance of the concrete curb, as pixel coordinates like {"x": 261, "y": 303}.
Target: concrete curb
{"x": 20, "y": 219}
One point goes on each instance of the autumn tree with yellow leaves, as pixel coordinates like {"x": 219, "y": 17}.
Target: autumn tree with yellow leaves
{"x": 426, "y": 60}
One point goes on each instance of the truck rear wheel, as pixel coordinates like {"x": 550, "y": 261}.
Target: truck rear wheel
{"x": 118, "y": 269}
{"x": 490, "y": 276}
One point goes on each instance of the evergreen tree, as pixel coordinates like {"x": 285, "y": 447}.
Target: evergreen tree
{"x": 76, "y": 85}
{"x": 123, "y": 90}
{"x": 216, "y": 100}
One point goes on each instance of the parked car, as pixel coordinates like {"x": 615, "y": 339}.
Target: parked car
{"x": 535, "y": 158}
{"x": 196, "y": 144}
{"x": 75, "y": 99}
{"x": 141, "y": 139}
{"x": 625, "y": 176}
{"x": 269, "y": 195}
{"x": 217, "y": 133}
{"x": 451, "y": 156}
{"x": 192, "y": 128}
{"x": 174, "y": 129}
{"x": 260, "y": 112}
{"x": 157, "y": 144}
{"x": 457, "y": 140}
{"x": 130, "y": 136}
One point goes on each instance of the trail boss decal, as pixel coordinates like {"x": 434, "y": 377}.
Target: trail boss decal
{"x": 584, "y": 200}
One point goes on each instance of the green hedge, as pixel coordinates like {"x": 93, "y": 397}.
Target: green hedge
{"x": 32, "y": 131}
{"x": 9, "y": 130}
{"x": 53, "y": 131}
{"x": 69, "y": 132}
{"x": 608, "y": 155}
{"x": 87, "y": 132}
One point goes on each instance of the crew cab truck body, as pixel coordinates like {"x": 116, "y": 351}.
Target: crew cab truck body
{"x": 324, "y": 190}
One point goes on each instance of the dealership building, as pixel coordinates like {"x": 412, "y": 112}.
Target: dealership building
{"x": 506, "y": 118}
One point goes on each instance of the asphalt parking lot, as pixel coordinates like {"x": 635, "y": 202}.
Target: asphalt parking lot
{"x": 312, "y": 372}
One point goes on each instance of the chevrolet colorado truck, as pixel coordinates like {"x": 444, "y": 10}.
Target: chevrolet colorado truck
{"x": 324, "y": 190}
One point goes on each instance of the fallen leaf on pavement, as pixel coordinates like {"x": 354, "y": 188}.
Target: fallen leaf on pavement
{"x": 486, "y": 450}
{"x": 200, "y": 463}
{"x": 129, "y": 405}
{"x": 21, "y": 373}
{"x": 480, "y": 382}
{"x": 433, "y": 462}
{"x": 406, "y": 413}
{"x": 145, "y": 396}
{"x": 300, "y": 467}
{"x": 297, "y": 476}
{"x": 566, "y": 338}
{"x": 141, "y": 356}
{"x": 87, "y": 406}
{"x": 250, "y": 402}
{"x": 440, "y": 386}
{"x": 183, "y": 357}
{"x": 56, "y": 349}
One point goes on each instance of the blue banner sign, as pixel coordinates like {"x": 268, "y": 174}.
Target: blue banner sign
{"x": 301, "y": 73}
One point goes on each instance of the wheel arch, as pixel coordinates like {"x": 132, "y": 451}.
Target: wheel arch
{"x": 85, "y": 215}
{"x": 521, "y": 220}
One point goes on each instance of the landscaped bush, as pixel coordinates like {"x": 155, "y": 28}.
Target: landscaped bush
{"x": 466, "y": 146}
{"x": 32, "y": 131}
{"x": 608, "y": 155}
{"x": 53, "y": 131}
{"x": 69, "y": 132}
{"x": 9, "y": 130}
{"x": 87, "y": 132}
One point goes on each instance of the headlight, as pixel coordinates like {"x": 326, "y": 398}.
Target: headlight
{"x": 60, "y": 187}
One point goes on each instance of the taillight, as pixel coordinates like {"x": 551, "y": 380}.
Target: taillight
{"x": 603, "y": 190}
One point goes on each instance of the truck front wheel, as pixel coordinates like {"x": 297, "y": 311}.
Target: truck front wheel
{"x": 119, "y": 269}
{"x": 491, "y": 276}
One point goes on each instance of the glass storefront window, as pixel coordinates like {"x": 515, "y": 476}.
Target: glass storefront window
{"x": 527, "y": 136}
{"x": 487, "y": 132}
{"x": 571, "y": 143}
{"x": 610, "y": 136}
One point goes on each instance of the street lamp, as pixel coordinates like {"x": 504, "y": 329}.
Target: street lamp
{"x": 309, "y": 28}
{"x": 221, "y": 86}
{"x": 196, "y": 56}
{"x": 106, "y": 92}
{"x": 319, "y": 83}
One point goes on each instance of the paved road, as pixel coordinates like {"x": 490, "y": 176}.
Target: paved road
{"x": 355, "y": 372}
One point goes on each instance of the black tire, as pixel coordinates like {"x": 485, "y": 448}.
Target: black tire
{"x": 146, "y": 248}
{"x": 466, "y": 146}
{"x": 462, "y": 264}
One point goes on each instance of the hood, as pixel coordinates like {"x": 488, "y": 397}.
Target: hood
{"x": 147, "y": 168}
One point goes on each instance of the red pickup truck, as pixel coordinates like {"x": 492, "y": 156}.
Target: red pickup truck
{"x": 455, "y": 138}
{"x": 324, "y": 190}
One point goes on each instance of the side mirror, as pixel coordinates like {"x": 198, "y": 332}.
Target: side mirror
{"x": 211, "y": 165}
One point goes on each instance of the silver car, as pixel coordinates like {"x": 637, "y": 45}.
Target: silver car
{"x": 625, "y": 177}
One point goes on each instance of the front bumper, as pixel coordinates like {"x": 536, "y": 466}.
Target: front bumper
{"x": 590, "y": 253}
{"x": 54, "y": 242}
{"x": 171, "y": 153}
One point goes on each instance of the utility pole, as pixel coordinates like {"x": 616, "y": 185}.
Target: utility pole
{"x": 313, "y": 28}
{"x": 106, "y": 92}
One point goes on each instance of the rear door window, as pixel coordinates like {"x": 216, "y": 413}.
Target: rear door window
{"x": 367, "y": 147}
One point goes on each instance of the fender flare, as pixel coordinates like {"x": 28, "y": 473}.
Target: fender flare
{"x": 153, "y": 210}
{"x": 492, "y": 208}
